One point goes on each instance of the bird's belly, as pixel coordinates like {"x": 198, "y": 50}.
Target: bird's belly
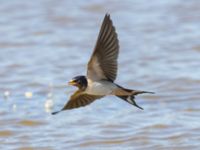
{"x": 100, "y": 88}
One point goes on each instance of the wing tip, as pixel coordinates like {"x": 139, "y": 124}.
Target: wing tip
{"x": 56, "y": 112}
{"x": 107, "y": 15}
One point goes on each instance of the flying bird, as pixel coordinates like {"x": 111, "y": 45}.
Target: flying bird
{"x": 101, "y": 72}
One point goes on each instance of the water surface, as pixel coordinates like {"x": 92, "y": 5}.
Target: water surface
{"x": 43, "y": 44}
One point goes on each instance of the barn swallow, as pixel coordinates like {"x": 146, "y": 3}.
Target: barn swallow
{"x": 101, "y": 72}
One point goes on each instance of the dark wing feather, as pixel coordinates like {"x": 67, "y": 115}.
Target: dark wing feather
{"x": 79, "y": 99}
{"x": 103, "y": 62}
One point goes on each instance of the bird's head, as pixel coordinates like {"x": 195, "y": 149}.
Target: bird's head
{"x": 79, "y": 81}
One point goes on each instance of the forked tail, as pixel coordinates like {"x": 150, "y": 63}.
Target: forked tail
{"x": 130, "y": 97}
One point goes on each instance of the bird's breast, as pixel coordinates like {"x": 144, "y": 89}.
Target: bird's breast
{"x": 100, "y": 88}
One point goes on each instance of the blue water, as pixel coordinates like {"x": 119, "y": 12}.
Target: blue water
{"x": 43, "y": 44}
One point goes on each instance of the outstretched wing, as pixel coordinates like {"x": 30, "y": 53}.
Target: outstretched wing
{"x": 103, "y": 62}
{"x": 79, "y": 99}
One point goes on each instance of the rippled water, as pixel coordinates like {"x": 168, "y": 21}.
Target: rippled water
{"x": 45, "y": 43}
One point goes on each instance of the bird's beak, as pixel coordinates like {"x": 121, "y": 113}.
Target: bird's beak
{"x": 72, "y": 82}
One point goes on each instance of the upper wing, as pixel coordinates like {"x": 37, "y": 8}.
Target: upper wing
{"x": 103, "y": 62}
{"x": 79, "y": 99}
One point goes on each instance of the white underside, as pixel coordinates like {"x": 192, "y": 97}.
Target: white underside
{"x": 100, "y": 88}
